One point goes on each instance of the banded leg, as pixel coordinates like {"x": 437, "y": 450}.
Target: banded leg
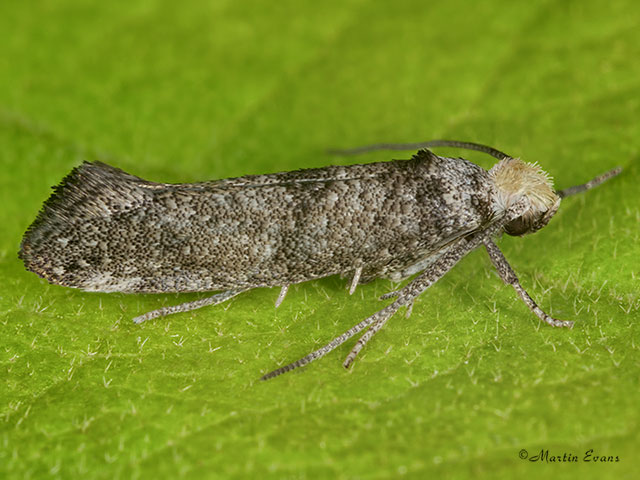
{"x": 510, "y": 278}
{"x": 336, "y": 342}
{"x": 405, "y": 297}
{"x": 188, "y": 306}
{"x": 407, "y": 294}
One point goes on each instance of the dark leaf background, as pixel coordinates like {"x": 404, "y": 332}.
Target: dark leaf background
{"x": 190, "y": 91}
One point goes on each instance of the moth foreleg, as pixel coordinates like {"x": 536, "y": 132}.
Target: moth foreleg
{"x": 188, "y": 306}
{"x": 510, "y": 278}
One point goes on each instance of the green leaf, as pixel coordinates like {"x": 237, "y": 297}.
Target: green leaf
{"x": 192, "y": 91}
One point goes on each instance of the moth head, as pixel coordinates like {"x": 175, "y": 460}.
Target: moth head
{"x": 517, "y": 181}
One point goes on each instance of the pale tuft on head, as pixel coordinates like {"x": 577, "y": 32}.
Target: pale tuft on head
{"x": 516, "y": 180}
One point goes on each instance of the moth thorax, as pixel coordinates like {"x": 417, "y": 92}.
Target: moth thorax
{"x": 518, "y": 181}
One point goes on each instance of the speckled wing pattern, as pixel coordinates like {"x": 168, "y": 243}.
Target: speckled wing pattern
{"x": 106, "y": 230}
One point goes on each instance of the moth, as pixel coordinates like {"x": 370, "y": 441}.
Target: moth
{"x": 104, "y": 230}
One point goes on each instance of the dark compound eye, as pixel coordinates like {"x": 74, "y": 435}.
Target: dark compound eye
{"x": 518, "y": 227}
{"x": 528, "y": 223}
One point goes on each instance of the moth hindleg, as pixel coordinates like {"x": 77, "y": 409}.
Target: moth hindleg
{"x": 510, "y": 278}
{"x": 386, "y": 312}
{"x": 188, "y": 306}
{"x": 405, "y": 297}
{"x": 407, "y": 294}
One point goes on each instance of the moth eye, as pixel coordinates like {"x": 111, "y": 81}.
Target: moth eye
{"x": 518, "y": 226}
{"x": 529, "y": 223}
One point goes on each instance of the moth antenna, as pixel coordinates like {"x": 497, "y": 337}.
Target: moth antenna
{"x": 415, "y": 146}
{"x": 567, "y": 192}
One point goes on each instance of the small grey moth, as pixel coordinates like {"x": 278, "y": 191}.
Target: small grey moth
{"x": 104, "y": 230}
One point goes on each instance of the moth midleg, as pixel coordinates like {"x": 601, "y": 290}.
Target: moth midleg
{"x": 188, "y": 306}
{"x": 283, "y": 293}
{"x": 510, "y": 278}
{"x": 355, "y": 280}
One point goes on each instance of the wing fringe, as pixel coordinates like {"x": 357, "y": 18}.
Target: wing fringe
{"x": 89, "y": 190}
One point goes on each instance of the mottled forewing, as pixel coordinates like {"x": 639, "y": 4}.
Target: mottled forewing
{"x": 105, "y": 230}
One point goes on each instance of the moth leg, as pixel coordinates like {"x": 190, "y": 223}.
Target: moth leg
{"x": 188, "y": 306}
{"x": 421, "y": 266}
{"x": 388, "y": 295}
{"x": 363, "y": 341}
{"x": 405, "y": 295}
{"x": 369, "y": 334}
{"x": 355, "y": 281}
{"x": 388, "y": 311}
{"x": 409, "y": 310}
{"x": 509, "y": 277}
{"x": 283, "y": 293}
